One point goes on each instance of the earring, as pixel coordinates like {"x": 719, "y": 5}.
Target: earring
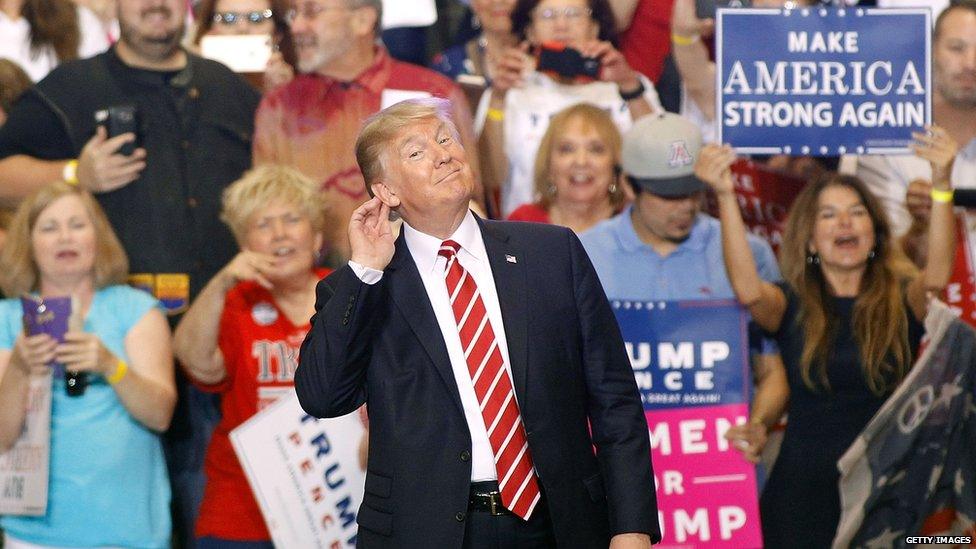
{"x": 613, "y": 188}
{"x": 475, "y": 22}
{"x": 871, "y": 254}
{"x": 813, "y": 258}
{"x": 551, "y": 189}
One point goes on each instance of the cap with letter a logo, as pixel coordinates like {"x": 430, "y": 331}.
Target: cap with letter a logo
{"x": 659, "y": 154}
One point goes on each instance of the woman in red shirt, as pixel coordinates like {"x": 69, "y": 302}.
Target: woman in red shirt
{"x": 576, "y": 171}
{"x": 242, "y": 335}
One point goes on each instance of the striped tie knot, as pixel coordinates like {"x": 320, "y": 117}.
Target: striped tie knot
{"x": 448, "y": 250}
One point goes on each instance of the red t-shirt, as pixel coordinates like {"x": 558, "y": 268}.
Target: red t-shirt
{"x": 647, "y": 41}
{"x": 260, "y": 347}
{"x": 529, "y": 212}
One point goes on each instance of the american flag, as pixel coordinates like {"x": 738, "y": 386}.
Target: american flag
{"x": 912, "y": 471}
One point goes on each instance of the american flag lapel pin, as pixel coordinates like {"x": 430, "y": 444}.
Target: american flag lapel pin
{"x": 510, "y": 258}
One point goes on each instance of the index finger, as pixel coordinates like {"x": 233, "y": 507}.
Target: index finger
{"x": 75, "y": 336}
{"x": 113, "y": 144}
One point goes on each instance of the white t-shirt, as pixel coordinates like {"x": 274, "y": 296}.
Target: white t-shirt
{"x": 15, "y": 43}
{"x": 527, "y": 113}
{"x": 888, "y": 178}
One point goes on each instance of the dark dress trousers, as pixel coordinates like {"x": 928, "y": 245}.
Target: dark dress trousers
{"x": 381, "y": 345}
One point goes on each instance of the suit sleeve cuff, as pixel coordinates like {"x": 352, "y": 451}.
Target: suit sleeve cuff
{"x": 367, "y": 275}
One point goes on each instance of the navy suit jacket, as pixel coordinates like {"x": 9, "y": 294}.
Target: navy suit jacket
{"x": 381, "y": 345}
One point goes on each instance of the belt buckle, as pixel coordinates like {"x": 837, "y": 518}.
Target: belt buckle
{"x": 495, "y": 504}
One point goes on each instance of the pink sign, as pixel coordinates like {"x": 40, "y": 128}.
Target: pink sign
{"x": 706, "y": 490}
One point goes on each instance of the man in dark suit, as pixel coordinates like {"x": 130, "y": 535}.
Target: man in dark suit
{"x": 490, "y": 360}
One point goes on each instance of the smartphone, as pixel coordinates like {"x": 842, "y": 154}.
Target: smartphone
{"x": 965, "y": 198}
{"x": 705, "y": 9}
{"x": 117, "y": 120}
{"x": 555, "y": 57}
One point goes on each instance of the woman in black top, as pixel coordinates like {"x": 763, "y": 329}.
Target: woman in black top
{"x": 847, "y": 320}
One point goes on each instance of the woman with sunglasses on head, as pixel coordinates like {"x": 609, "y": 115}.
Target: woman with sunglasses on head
{"x": 847, "y": 320}
{"x": 265, "y": 17}
{"x": 526, "y": 89}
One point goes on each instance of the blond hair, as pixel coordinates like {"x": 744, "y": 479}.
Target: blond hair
{"x": 879, "y": 320}
{"x": 381, "y": 128}
{"x": 20, "y": 273}
{"x": 266, "y": 184}
{"x": 593, "y": 117}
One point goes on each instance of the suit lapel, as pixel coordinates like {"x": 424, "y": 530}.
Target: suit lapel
{"x": 410, "y": 296}
{"x": 510, "y": 283}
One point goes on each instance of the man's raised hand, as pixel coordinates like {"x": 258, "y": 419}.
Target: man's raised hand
{"x": 371, "y": 235}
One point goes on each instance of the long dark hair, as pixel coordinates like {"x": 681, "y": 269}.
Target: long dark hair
{"x": 53, "y": 23}
{"x": 282, "y": 34}
{"x": 880, "y": 323}
{"x": 602, "y": 13}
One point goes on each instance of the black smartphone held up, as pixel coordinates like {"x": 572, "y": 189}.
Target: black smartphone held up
{"x": 965, "y": 198}
{"x": 567, "y": 62}
{"x": 705, "y": 9}
{"x": 117, "y": 120}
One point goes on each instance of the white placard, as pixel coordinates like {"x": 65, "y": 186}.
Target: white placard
{"x": 241, "y": 53}
{"x": 24, "y": 468}
{"x": 304, "y": 472}
{"x": 409, "y": 13}
{"x": 392, "y": 96}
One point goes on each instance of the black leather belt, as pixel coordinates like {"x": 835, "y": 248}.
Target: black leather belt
{"x": 485, "y": 497}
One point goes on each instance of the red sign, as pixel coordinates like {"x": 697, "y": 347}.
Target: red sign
{"x": 960, "y": 293}
{"x": 764, "y": 198}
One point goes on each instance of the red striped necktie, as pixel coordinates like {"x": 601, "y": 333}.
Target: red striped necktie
{"x": 513, "y": 462}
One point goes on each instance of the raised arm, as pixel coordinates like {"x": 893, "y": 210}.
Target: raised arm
{"x": 144, "y": 384}
{"x": 691, "y": 56}
{"x": 331, "y": 376}
{"x": 623, "y": 13}
{"x": 507, "y": 74}
{"x": 764, "y": 300}
{"x": 195, "y": 339}
{"x": 940, "y": 149}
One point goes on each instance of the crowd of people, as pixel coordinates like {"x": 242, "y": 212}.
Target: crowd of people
{"x": 190, "y": 213}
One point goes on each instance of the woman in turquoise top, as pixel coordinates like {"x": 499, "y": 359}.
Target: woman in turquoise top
{"x": 108, "y": 484}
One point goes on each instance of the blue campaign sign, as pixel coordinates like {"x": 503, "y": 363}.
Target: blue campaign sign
{"x": 687, "y": 353}
{"x": 822, "y": 81}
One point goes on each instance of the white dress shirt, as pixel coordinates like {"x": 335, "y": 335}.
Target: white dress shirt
{"x": 474, "y": 258}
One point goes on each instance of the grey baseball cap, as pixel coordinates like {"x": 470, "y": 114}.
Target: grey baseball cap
{"x": 659, "y": 154}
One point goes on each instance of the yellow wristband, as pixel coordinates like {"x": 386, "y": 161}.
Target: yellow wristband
{"x": 121, "y": 368}
{"x": 70, "y": 172}
{"x": 496, "y": 114}
{"x": 683, "y": 40}
{"x": 942, "y": 196}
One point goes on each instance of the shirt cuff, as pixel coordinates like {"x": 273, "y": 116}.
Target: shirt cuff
{"x": 367, "y": 275}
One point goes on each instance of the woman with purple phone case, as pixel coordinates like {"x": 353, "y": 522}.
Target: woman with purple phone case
{"x": 107, "y": 483}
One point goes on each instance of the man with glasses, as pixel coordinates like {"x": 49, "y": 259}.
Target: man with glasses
{"x": 312, "y": 122}
{"x": 184, "y": 129}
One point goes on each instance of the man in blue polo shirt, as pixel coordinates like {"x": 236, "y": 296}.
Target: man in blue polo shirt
{"x": 663, "y": 248}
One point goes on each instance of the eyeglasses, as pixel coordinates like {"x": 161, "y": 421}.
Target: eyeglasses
{"x": 235, "y": 17}
{"x": 569, "y": 13}
{"x": 310, "y": 10}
